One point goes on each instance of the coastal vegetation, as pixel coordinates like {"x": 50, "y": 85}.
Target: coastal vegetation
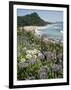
{"x": 37, "y": 58}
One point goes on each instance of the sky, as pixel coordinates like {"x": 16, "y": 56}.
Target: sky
{"x": 47, "y": 15}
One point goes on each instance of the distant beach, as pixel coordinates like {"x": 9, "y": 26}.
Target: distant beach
{"x": 52, "y": 32}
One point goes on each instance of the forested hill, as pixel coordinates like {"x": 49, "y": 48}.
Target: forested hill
{"x": 32, "y": 19}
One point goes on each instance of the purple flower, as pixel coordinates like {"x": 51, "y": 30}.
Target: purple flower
{"x": 33, "y": 61}
{"x": 56, "y": 68}
{"x": 43, "y": 73}
{"x": 51, "y": 55}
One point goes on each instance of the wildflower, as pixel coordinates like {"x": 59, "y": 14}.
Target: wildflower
{"x": 43, "y": 73}
{"x": 24, "y": 64}
{"x": 28, "y": 51}
{"x": 56, "y": 67}
{"x": 33, "y": 61}
{"x": 38, "y": 51}
{"x": 22, "y": 59}
{"x": 51, "y": 55}
{"x": 34, "y": 51}
{"x": 60, "y": 56}
{"x": 28, "y": 56}
{"x": 35, "y": 56}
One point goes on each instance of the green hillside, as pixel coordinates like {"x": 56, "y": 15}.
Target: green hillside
{"x": 31, "y": 19}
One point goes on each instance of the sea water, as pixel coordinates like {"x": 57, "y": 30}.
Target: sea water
{"x": 53, "y": 31}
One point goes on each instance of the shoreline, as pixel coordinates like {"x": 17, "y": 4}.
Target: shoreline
{"x": 35, "y": 30}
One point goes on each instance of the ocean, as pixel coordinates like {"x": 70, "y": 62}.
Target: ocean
{"x": 53, "y": 31}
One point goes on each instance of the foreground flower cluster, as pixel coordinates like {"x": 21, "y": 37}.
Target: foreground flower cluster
{"x": 37, "y": 59}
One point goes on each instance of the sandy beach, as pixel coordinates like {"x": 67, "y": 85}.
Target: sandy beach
{"x": 32, "y": 28}
{"x": 35, "y": 30}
